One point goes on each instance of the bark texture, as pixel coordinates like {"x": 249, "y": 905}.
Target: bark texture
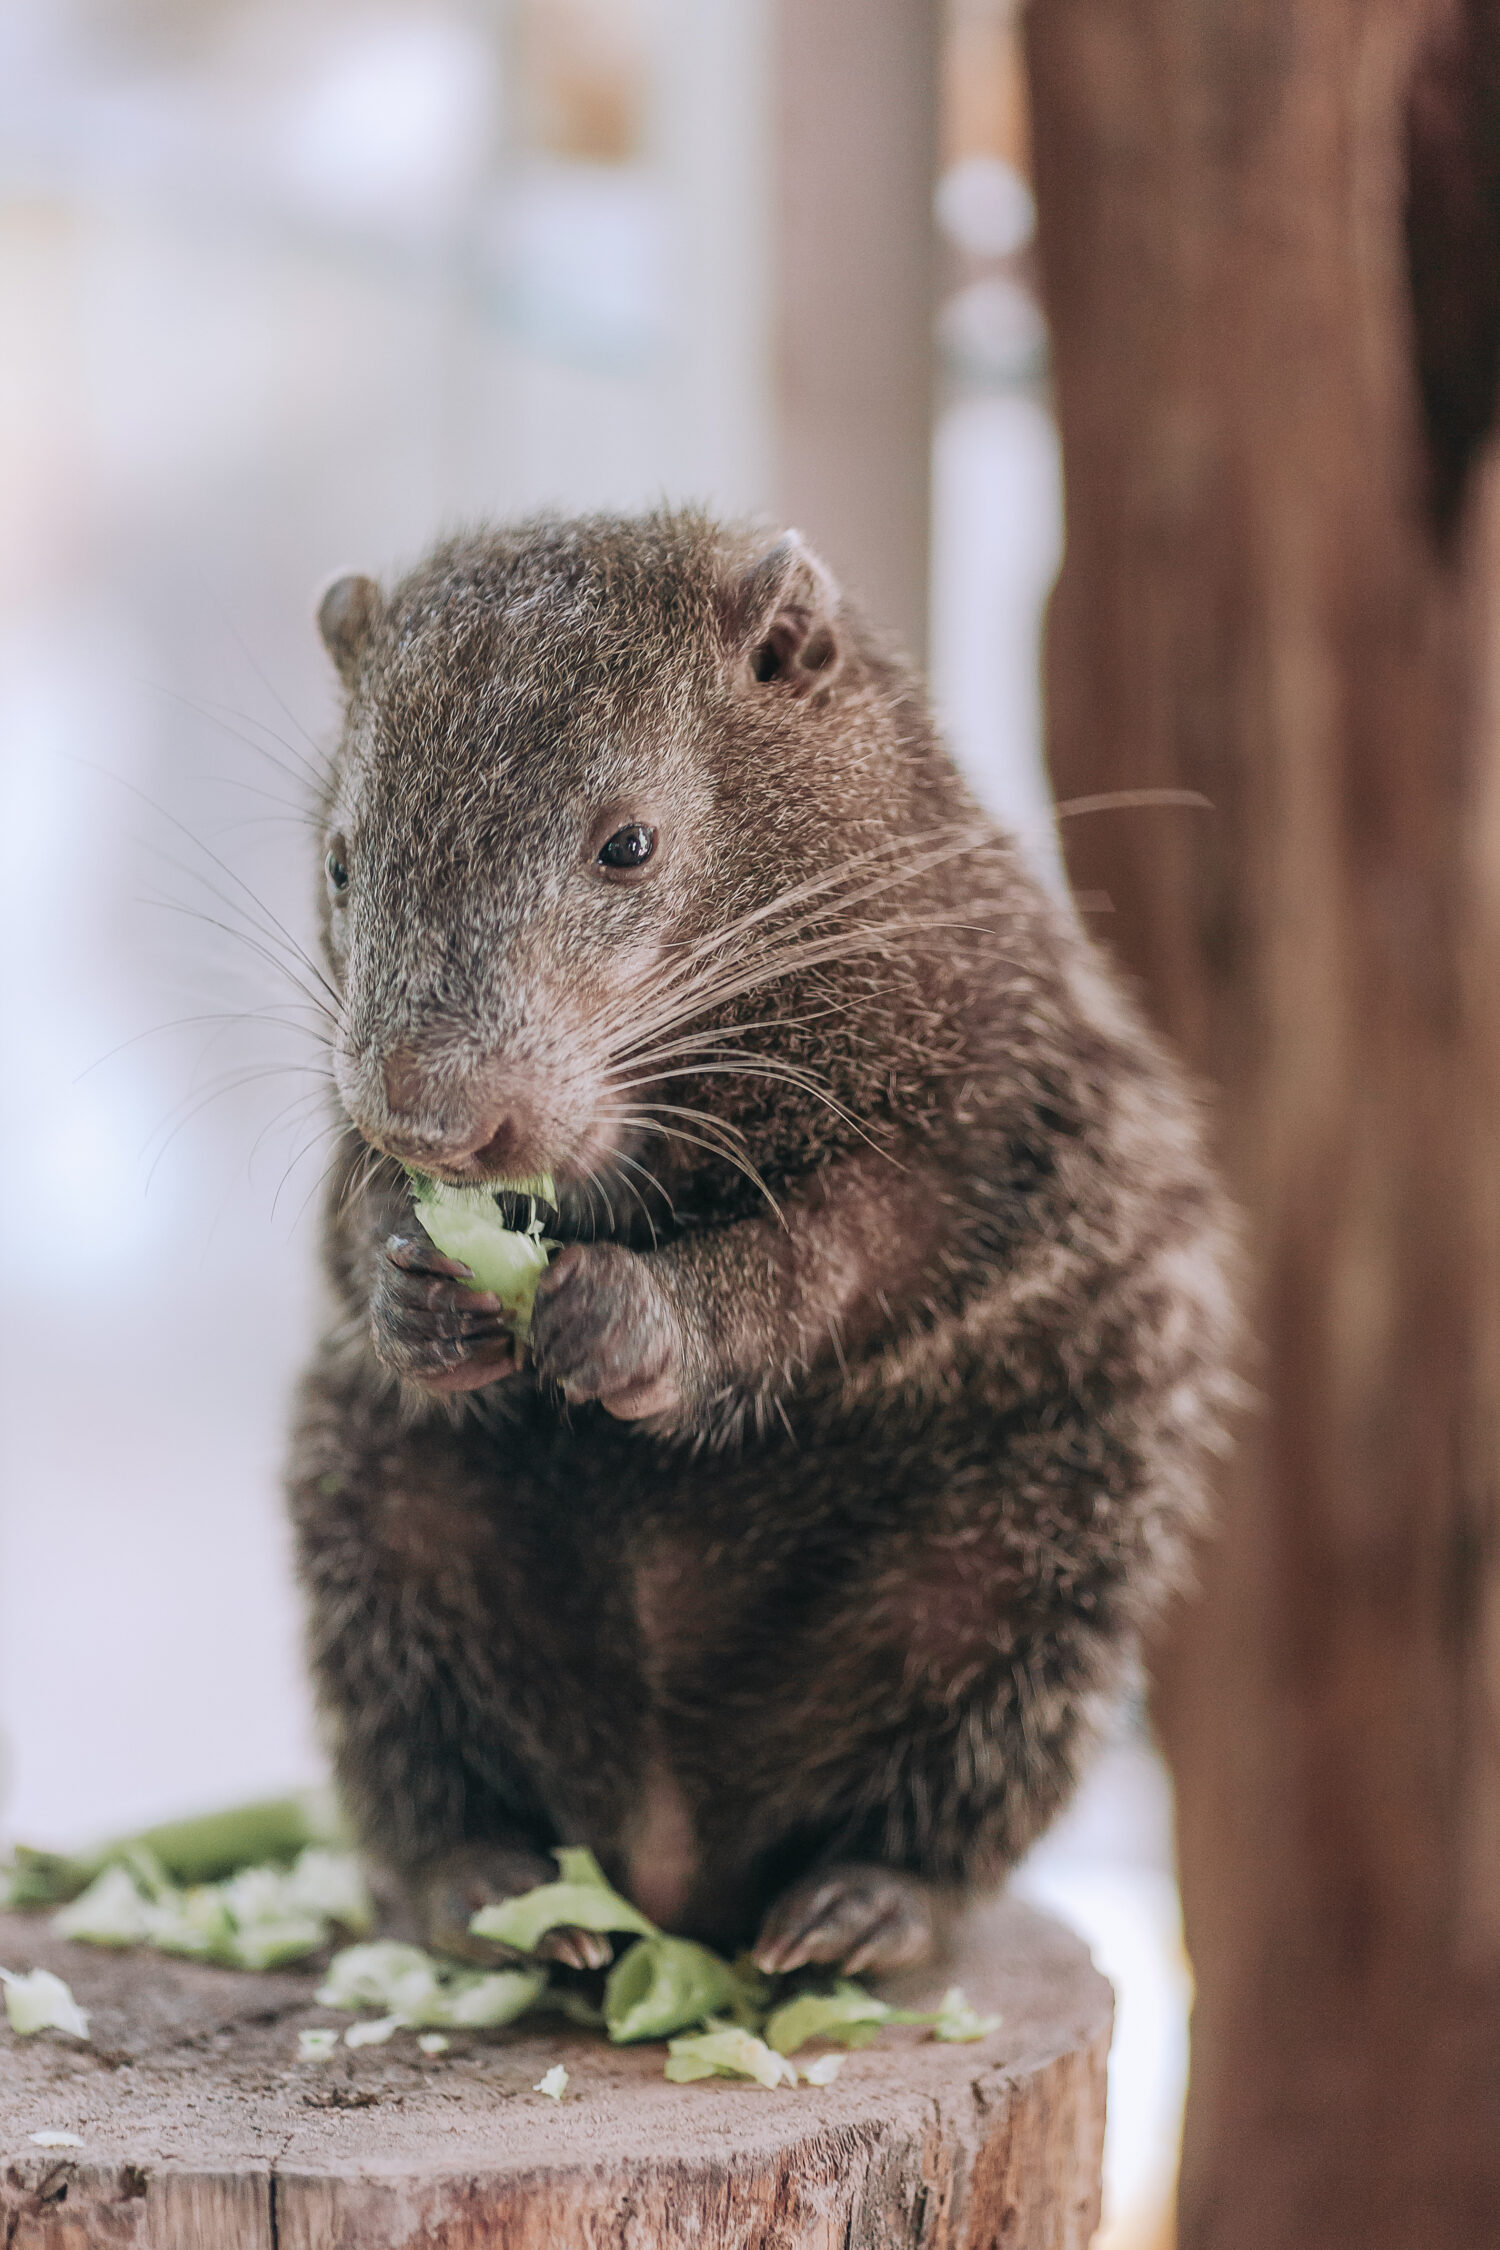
{"x": 1268, "y": 236}
{"x": 201, "y": 2130}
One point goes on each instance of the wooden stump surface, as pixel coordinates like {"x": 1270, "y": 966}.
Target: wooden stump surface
{"x": 201, "y": 2130}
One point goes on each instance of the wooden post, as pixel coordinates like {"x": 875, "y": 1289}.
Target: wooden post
{"x": 855, "y": 108}
{"x": 201, "y": 2130}
{"x": 1268, "y": 235}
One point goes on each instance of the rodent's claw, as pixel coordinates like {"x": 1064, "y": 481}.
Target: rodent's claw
{"x": 576, "y": 1949}
{"x": 413, "y": 1253}
{"x": 602, "y": 1327}
{"x": 858, "y": 1918}
{"x": 428, "y": 1326}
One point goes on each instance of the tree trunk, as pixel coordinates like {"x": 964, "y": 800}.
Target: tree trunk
{"x": 1268, "y": 235}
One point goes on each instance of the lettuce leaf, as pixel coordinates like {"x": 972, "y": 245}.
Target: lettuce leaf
{"x": 465, "y": 1223}
{"x": 581, "y": 1900}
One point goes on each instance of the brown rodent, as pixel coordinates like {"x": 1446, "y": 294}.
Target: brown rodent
{"x": 868, "y": 1405}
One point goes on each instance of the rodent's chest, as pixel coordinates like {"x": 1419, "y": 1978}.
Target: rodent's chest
{"x": 694, "y": 1565}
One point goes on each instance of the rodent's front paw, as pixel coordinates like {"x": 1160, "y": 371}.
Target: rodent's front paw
{"x": 855, "y": 1917}
{"x": 448, "y": 1896}
{"x": 603, "y": 1327}
{"x": 428, "y": 1326}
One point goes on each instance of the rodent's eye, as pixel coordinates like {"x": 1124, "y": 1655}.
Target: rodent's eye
{"x": 629, "y": 847}
{"x": 336, "y": 867}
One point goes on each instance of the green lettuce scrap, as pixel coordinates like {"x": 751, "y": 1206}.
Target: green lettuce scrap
{"x": 848, "y": 2015}
{"x": 726, "y": 2051}
{"x": 580, "y": 1900}
{"x": 465, "y": 1223}
{"x": 258, "y": 1918}
{"x": 152, "y": 1889}
{"x": 418, "y": 1991}
{"x": 665, "y": 1984}
{"x": 201, "y": 1850}
{"x": 954, "y": 2019}
{"x": 852, "y": 2017}
{"x": 40, "y": 2001}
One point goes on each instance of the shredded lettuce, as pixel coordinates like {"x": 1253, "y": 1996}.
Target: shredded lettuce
{"x": 581, "y": 1900}
{"x": 201, "y": 1850}
{"x": 418, "y": 1990}
{"x": 465, "y": 1223}
{"x": 553, "y": 2083}
{"x": 665, "y": 1984}
{"x": 717, "y": 2015}
{"x": 40, "y": 2001}
{"x": 956, "y": 2020}
{"x": 259, "y": 1918}
{"x": 372, "y": 2033}
{"x": 725, "y": 2051}
{"x": 848, "y": 2015}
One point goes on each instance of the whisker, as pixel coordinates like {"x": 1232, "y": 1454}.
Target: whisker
{"x": 643, "y": 1121}
{"x": 255, "y": 945}
{"x": 696, "y": 1000}
{"x": 1132, "y": 800}
{"x": 223, "y": 1017}
{"x": 751, "y": 1068}
{"x": 958, "y": 840}
{"x": 231, "y": 1083}
{"x": 303, "y": 776}
{"x": 257, "y": 903}
{"x": 648, "y": 1175}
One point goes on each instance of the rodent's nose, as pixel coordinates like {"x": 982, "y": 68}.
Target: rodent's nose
{"x": 461, "y": 1132}
{"x": 496, "y": 1158}
{"x": 408, "y": 1085}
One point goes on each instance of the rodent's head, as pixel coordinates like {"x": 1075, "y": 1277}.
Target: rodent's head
{"x": 573, "y": 752}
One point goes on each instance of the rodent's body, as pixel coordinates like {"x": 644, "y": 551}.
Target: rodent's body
{"x": 853, "y": 1508}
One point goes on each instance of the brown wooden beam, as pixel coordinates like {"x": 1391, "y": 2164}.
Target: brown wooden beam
{"x": 1281, "y": 588}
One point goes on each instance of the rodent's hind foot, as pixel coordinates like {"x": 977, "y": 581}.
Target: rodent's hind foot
{"x": 449, "y": 1894}
{"x": 856, "y": 1917}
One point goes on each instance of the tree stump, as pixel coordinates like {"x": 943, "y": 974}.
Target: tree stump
{"x": 201, "y": 2130}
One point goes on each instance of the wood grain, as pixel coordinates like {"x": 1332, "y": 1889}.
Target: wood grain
{"x": 1281, "y": 590}
{"x": 202, "y": 2131}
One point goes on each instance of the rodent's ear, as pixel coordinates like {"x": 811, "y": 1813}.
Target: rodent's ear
{"x": 347, "y": 610}
{"x": 785, "y": 616}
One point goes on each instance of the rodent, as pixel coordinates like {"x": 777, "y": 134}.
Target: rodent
{"x": 869, "y": 1404}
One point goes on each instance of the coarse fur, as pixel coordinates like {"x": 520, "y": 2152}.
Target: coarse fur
{"x": 872, "y": 1398}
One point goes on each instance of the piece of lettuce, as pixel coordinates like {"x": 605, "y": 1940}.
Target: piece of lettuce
{"x": 956, "y": 2020}
{"x": 404, "y": 1982}
{"x": 580, "y": 1900}
{"x": 201, "y": 1850}
{"x": 848, "y": 2015}
{"x": 260, "y": 1918}
{"x": 466, "y": 1223}
{"x": 663, "y": 1985}
{"x": 40, "y": 2001}
{"x": 725, "y": 2051}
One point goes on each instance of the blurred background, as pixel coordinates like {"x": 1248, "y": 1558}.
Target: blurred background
{"x": 289, "y": 289}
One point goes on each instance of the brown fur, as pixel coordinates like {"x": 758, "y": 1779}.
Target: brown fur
{"x": 816, "y": 1536}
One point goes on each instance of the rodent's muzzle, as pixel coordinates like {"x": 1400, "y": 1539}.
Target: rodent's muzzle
{"x": 460, "y": 1120}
